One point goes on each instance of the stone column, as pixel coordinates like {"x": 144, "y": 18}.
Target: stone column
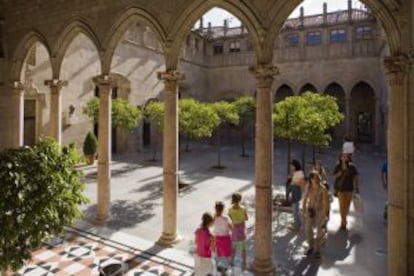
{"x": 17, "y": 126}
{"x": 397, "y": 68}
{"x": 263, "y": 260}
{"x": 55, "y": 121}
{"x": 348, "y": 119}
{"x": 105, "y": 84}
{"x": 169, "y": 234}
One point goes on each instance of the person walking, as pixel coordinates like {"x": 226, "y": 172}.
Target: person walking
{"x": 346, "y": 183}
{"x": 320, "y": 170}
{"x": 238, "y": 215}
{"x": 221, "y": 230}
{"x": 295, "y": 192}
{"x": 203, "y": 263}
{"x": 384, "y": 180}
{"x": 315, "y": 203}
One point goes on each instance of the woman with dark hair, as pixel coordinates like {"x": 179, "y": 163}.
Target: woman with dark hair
{"x": 295, "y": 191}
{"x": 346, "y": 183}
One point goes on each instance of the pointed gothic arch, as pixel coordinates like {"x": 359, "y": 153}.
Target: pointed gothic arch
{"x": 73, "y": 29}
{"x": 282, "y": 93}
{"x": 362, "y": 113}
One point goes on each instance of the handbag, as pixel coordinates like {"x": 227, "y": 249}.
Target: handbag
{"x": 357, "y": 202}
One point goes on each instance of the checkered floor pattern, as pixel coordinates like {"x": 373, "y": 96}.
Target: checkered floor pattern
{"x": 84, "y": 254}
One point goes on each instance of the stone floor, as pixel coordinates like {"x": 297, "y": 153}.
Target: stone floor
{"x": 136, "y": 218}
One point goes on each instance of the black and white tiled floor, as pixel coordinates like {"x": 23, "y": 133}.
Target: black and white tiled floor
{"x": 83, "y": 254}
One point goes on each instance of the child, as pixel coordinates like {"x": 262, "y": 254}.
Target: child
{"x": 238, "y": 217}
{"x": 221, "y": 231}
{"x": 203, "y": 241}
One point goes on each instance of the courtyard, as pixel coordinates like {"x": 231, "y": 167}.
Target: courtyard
{"x": 135, "y": 222}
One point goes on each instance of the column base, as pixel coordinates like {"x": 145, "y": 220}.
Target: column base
{"x": 101, "y": 219}
{"x": 168, "y": 240}
{"x": 264, "y": 267}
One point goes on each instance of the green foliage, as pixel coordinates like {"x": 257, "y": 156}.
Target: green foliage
{"x": 306, "y": 118}
{"x": 154, "y": 111}
{"x": 227, "y": 112}
{"x": 90, "y": 144}
{"x": 124, "y": 115}
{"x": 197, "y": 119}
{"x": 92, "y": 109}
{"x": 246, "y": 108}
{"x": 40, "y": 194}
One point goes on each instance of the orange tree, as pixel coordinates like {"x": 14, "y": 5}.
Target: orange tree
{"x": 306, "y": 119}
{"x": 40, "y": 194}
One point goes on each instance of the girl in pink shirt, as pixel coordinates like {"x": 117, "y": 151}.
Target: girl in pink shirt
{"x": 203, "y": 242}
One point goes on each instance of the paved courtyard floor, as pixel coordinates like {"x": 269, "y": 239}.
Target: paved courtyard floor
{"x": 136, "y": 218}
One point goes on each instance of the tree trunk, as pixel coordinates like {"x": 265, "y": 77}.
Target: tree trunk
{"x": 243, "y": 141}
{"x": 314, "y": 154}
{"x": 303, "y": 158}
{"x": 289, "y": 154}
{"x": 219, "y": 166}
{"x": 187, "y": 142}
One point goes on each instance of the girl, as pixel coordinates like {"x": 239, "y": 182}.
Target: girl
{"x": 314, "y": 206}
{"x": 295, "y": 191}
{"x": 203, "y": 264}
{"x": 238, "y": 217}
{"x": 221, "y": 231}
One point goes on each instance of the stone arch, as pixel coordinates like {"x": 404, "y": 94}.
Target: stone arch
{"x": 336, "y": 90}
{"x": 362, "y": 79}
{"x": 72, "y": 30}
{"x": 22, "y": 50}
{"x": 308, "y": 86}
{"x": 283, "y": 92}
{"x": 362, "y": 112}
{"x": 196, "y": 9}
{"x": 384, "y": 11}
{"x": 126, "y": 18}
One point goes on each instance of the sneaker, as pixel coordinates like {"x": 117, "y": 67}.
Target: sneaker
{"x": 309, "y": 251}
{"x": 294, "y": 227}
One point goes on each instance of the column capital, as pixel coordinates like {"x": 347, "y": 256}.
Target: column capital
{"x": 17, "y": 86}
{"x": 170, "y": 79}
{"x": 56, "y": 83}
{"x": 264, "y": 74}
{"x": 397, "y": 67}
{"x": 104, "y": 80}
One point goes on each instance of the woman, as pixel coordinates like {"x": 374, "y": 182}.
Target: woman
{"x": 346, "y": 183}
{"x": 295, "y": 192}
{"x": 314, "y": 205}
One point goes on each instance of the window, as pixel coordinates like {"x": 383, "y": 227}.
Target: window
{"x": 363, "y": 32}
{"x": 338, "y": 36}
{"x": 314, "y": 38}
{"x": 292, "y": 40}
{"x": 218, "y": 49}
{"x": 234, "y": 46}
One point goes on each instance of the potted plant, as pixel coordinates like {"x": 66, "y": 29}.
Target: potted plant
{"x": 89, "y": 147}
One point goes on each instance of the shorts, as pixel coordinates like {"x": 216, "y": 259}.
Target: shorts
{"x": 241, "y": 245}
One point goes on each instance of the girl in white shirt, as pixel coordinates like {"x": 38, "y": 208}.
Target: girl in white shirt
{"x": 222, "y": 233}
